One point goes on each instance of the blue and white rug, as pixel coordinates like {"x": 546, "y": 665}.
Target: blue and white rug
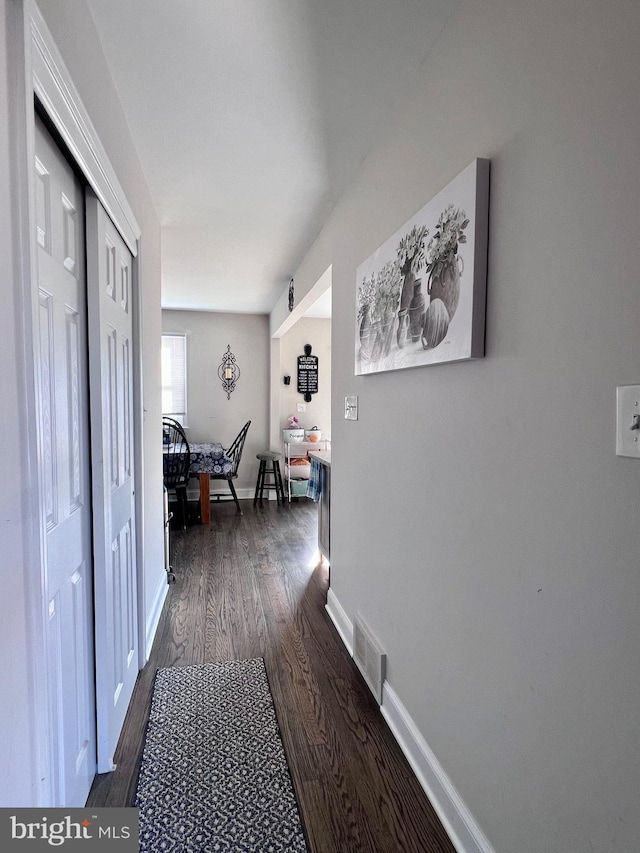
{"x": 214, "y": 775}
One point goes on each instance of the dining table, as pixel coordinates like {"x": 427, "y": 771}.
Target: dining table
{"x": 206, "y": 459}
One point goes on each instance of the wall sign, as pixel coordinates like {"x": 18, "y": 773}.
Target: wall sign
{"x": 307, "y": 374}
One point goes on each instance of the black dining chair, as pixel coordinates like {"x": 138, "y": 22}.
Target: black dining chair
{"x": 234, "y": 452}
{"x": 176, "y": 460}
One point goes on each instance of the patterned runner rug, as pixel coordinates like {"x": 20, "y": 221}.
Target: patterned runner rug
{"x": 214, "y": 775}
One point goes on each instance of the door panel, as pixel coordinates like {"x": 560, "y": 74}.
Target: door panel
{"x": 109, "y": 265}
{"x": 64, "y": 445}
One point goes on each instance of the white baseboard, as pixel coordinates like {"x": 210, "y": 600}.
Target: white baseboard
{"x": 459, "y": 823}
{"x": 342, "y": 623}
{"x": 243, "y": 494}
{"x": 269, "y": 495}
{"x": 246, "y": 493}
{"x": 154, "y": 616}
{"x": 461, "y": 827}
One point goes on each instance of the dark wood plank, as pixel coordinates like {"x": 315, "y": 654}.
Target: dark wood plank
{"x": 253, "y": 586}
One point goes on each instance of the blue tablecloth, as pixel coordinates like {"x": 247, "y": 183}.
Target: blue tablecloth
{"x": 209, "y": 458}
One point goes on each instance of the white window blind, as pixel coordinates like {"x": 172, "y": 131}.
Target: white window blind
{"x": 174, "y": 377}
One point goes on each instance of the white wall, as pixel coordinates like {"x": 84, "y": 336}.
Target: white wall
{"x": 501, "y": 568}
{"x": 18, "y": 751}
{"x": 210, "y": 416}
{"x": 75, "y": 36}
{"x": 317, "y": 332}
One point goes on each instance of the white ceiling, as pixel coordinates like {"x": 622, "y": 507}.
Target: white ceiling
{"x": 321, "y": 308}
{"x": 250, "y": 118}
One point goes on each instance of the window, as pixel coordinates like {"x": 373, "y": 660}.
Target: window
{"x": 174, "y": 377}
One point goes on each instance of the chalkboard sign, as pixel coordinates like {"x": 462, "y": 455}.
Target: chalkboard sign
{"x": 307, "y": 373}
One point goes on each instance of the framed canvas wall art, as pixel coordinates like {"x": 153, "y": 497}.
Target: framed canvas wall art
{"x": 420, "y": 298}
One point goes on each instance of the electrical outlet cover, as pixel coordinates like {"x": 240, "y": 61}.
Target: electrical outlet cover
{"x": 351, "y": 408}
{"x": 627, "y": 420}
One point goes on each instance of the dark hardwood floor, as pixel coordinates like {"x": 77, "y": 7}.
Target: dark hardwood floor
{"x": 252, "y": 586}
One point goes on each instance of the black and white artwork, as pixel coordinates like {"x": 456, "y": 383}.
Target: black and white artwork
{"x": 420, "y": 298}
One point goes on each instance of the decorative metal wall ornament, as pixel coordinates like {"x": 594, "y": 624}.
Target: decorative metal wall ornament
{"x": 229, "y": 372}
{"x": 291, "y": 295}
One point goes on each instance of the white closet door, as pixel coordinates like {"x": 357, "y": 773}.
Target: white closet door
{"x": 64, "y": 446}
{"x": 109, "y": 268}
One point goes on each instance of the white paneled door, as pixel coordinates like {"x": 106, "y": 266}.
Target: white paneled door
{"x": 109, "y": 270}
{"x": 64, "y": 452}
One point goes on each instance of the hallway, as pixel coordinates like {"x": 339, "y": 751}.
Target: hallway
{"x": 250, "y": 586}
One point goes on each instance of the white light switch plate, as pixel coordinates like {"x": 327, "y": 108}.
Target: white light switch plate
{"x": 301, "y": 407}
{"x": 351, "y": 408}
{"x": 627, "y": 421}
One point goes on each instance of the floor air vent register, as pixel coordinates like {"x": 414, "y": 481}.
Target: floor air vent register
{"x": 369, "y": 657}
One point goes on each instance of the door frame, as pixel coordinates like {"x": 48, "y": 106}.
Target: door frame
{"x": 40, "y": 73}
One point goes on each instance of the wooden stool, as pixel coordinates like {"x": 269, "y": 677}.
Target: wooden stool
{"x": 269, "y": 466}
